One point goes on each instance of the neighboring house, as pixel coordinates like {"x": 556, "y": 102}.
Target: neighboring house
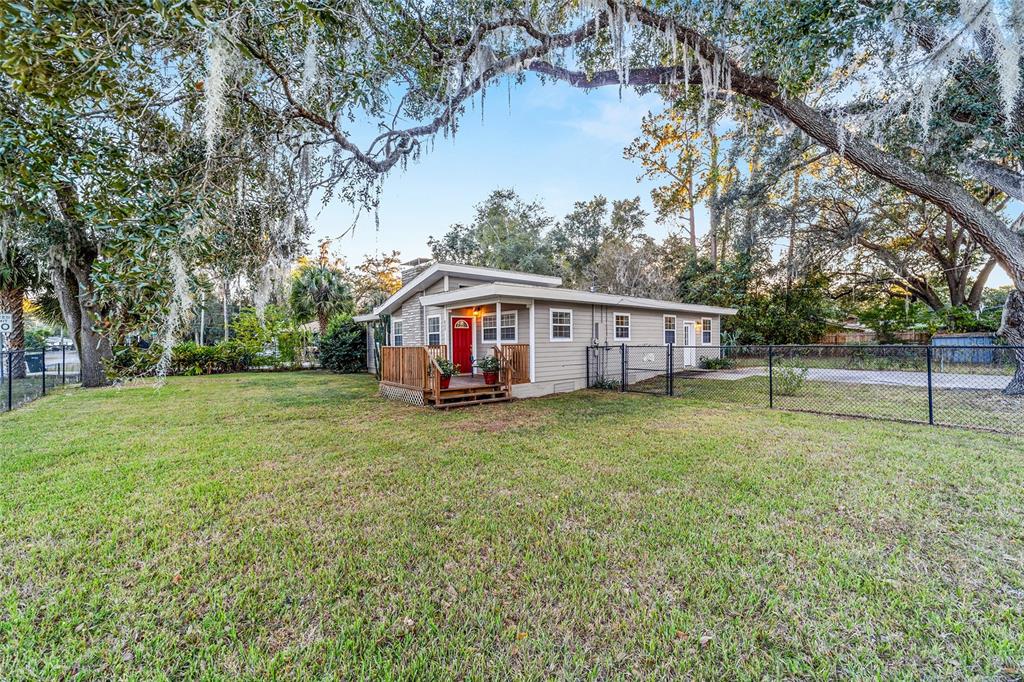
{"x": 540, "y": 330}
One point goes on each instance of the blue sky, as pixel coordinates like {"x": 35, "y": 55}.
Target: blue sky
{"x": 551, "y": 143}
{"x": 554, "y": 144}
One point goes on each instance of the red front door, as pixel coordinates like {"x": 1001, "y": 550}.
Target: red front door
{"x": 462, "y": 343}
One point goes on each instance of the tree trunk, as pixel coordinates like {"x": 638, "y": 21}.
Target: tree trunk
{"x": 322, "y": 320}
{"x": 227, "y": 293}
{"x": 11, "y": 301}
{"x": 691, "y": 213}
{"x": 978, "y": 288}
{"x": 93, "y": 347}
{"x": 1012, "y": 332}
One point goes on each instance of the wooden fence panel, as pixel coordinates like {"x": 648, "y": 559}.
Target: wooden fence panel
{"x": 405, "y": 366}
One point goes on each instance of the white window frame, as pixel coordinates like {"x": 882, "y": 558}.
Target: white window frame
{"x": 705, "y": 328}
{"x": 430, "y": 333}
{"x": 665, "y": 329}
{"x": 484, "y": 328}
{"x": 551, "y": 325}
{"x": 615, "y": 326}
{"x": 399, "y": 335}
{"x": 515, "y": 326}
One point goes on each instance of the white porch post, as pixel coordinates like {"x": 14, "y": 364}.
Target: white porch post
{"x": 497, "y": 315}
{"x": 446, "y": 334}
{"x": 533, "y": 344}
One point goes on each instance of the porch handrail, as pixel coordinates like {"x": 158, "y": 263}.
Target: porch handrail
{"x": 435, "y": 379}
{"x": 516, "y": 356}
{"x": 505, "y": 369}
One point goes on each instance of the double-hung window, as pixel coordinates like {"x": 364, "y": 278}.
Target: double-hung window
{"x": 705, "y": 331}
{"x": 509, "y": 325}
{"x": 434, "y": 330}
{"x": 489, "y": 325}
{"x": 670, "y": 329}
{"x": 396, "y": 332}
{"x": 622, "y": 326}
{"x": 561, "y": 325}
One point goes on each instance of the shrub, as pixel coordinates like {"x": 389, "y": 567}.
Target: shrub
{"x": 605, "y": 383}
{"x": 789, "y": 379}
{"x": 716, "y": 363}
{"x": 489, "y": 364}
{"x": 343, "y": 346}
{"x": 132, "y": 361}
{"x": 447, "y": 367}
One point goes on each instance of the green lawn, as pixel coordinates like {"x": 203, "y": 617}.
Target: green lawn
{"x": 295, "y": 525}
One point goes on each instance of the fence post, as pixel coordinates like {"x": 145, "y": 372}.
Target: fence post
{"x": 931, "y": 403}
{"x": 10, "y": 381}
{"x": 669, "y": 378}
{"x": 63, "y": 362}
{"x": 771, "y": 378}
{"x": 43, "y": 358}
{"x": 622, "y": 386}
{"x": 588, "y": 366}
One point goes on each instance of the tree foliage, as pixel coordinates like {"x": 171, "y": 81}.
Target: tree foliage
{"x": 318, "y": 292}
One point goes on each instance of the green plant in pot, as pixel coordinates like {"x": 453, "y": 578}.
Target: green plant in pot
{"x": 490, "y": 366}
{"x": 447, "y": 369}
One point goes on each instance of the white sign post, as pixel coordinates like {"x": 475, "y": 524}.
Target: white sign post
{"x": 6, "y": 327}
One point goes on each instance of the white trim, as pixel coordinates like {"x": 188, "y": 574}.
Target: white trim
{"x": 515, "y": 327}
{"x": 506, "y": 291}
{"x": 397, "y": 320}
{"x": 710, "y": 325}
{"x": 675, "y": 328}
{"x": 444, "y": 269}
{"x": 689, "y": 351}
{"x": 484, "y": 316}
{"x": 533, "y": 343}
{"x": 368, "y": 317}
{"x": 615, "y": 326}
{"x": 551, "y": 324}
{"x": 498, "y": 312}
{"x": 426, "y": 330}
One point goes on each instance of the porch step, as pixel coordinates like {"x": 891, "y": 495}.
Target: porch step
{"x": 472, "y": 396}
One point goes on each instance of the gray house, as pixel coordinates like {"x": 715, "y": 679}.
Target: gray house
{"x": 539, "y": 330}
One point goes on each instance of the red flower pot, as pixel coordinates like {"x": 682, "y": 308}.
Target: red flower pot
{"x": 490, "y": 378}
{"x": 445, "y": 381}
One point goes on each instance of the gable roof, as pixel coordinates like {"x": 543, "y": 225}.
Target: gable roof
{"x": 439, "y": 270}
{"x": 525, "y": 291}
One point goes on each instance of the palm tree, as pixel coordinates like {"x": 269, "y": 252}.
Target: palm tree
{"x": 320, "y": 291}
{"x": 17, "y": 274}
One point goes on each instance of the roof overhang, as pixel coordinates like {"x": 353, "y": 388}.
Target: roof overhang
{"x": 504, "y": 291}
{"x": 368, "y": 317}
{"x": 439, "y": 270}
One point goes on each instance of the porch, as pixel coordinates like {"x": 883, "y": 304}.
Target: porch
{"x": 411, "y": 374}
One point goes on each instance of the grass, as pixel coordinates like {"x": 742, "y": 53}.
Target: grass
{"x": 27, "y": 389}
{"x": 296, "y": 526}
{"x": 971, "y": 408}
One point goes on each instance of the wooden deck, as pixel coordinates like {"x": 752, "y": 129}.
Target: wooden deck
{"x": 410, "y": 373}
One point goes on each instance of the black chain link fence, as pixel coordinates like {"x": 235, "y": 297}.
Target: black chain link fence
{"x": 946, "y": 385}
{"x": 27, "y": 375}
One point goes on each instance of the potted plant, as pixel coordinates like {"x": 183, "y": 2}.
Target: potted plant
{"x": 448, "y": 370}
{"x": 490, "y": 366}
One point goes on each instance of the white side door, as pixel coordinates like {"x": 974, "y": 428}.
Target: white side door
{"x": 689, "y": 352}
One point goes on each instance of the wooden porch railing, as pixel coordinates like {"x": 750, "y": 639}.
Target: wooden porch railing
{"x": 409, "y": 366}
{"x": 515, "y": 358}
